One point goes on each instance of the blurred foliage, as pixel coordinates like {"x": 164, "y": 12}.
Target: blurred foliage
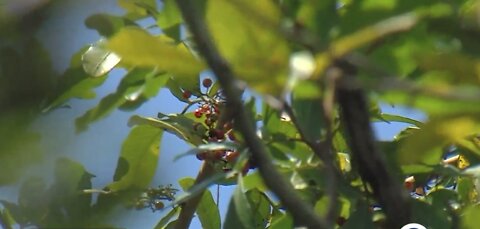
{"x": 418, "y": 54}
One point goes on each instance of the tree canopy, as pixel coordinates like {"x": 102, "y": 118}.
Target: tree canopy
{"x": 279, "y": 99}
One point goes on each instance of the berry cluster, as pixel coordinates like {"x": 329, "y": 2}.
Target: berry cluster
{"x": 212, "y": 130}
{"x": 153, "y": 197}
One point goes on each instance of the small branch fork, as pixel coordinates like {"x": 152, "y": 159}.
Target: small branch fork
{"x": 302, "y": 212}
{"x": 322, "y": 150}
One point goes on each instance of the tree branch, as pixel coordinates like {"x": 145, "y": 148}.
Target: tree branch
{"x": 302, "y": 212}
{"x": 370, "y": 162}
{"x": 190, "y": 206}
{"x": 322, "y": 150}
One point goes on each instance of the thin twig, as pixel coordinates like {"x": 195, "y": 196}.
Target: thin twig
{"x": 324, "y": 152}
{"x": 190, "y": 206}
{"x": 302, "y": 213}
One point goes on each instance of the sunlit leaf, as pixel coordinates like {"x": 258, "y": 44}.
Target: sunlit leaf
{"x": 371, "y": 33}
{"x": 251, "y": 26}
{"x": 97, "y": 61}
{"x": 457, "y": 68}
{"x": 179, "y": 125}
{"x": 169, "y": 16}
{"x": 470, "y": 216}
{"x": 137, "y": 47}
{"x": 139, "y": 157}
{"x": 418, "y": 147}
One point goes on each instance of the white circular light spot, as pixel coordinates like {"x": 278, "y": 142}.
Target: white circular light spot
{"x": 302, "y": 64}
{"x": 413, "y": 226}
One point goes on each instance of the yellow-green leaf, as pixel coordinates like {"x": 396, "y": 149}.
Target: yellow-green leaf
{"x": 425, "y": 145}
{"x": 138, "y": 159}
{"x": 137, "y": 47}
{"x": 246, "y": 34}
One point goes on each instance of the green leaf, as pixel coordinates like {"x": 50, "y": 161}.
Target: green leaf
{"x": 261, "y": 208}
{"x": 106, "y": 25}
{"x": 276, "y": 124}
{"x": 138, "y": 9}
{"x": 200, "y": 187}
{"x": 137, "y": 47}
{"x": 97, "y": 61}
{"x": 70, "y": 179}
{"x": 178, "y": 125}
{"x": 429, "y": 216}
{"x": 6, "y": 218}
{"x": 240, "y": 212}
{"x": 15, "y": 212}
{"x": 309, "y": 116}
{"x": 74, "y": 83}
{"x": 319, "y": 17}
{"x": 139, "y": 154}
{"x": 360, "y": 218}
{"x": 166, "y": 219}
{"x": 433, "y": 99}
{"x": 367, "y": 35}
{"x": 207, "y": 209}
{"x": 170, "y": 15}
{"x": 282, "y": 221}
{"x": 425, "y": 145}
{"x": 398, "y": 118}
{"x": 470, "y": 217}
{"x": 213, "y": 146}
{"x": 33, "y": 204}
{"x": 251, "y": 26}
{"x": 456, "y": 68}
{"x": 254, "y": 181}
{"x": 136, "y": 83}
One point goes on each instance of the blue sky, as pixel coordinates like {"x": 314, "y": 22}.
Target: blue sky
{"x": 97, "y": 149}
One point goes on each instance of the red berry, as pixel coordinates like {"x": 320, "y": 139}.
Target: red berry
{"x": 231, "y": 156}
{"x": 159, "y": 205}
{"x": 220, "y": 134}
{"x": 231, "y": 136}
{"x": 201, "y": 156}
{"x": 186, "y": 94}
{"x": 218, "y": 154}
{"x": 408, "y": 185}
{"x": 228, "y": 126}
{"x": 198, "y": 113}
{"x": 208, "y": 121}
{"x": 245, "y": 169}
{"x": 341, "y": 220}
{"x": 207, "y": 82}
